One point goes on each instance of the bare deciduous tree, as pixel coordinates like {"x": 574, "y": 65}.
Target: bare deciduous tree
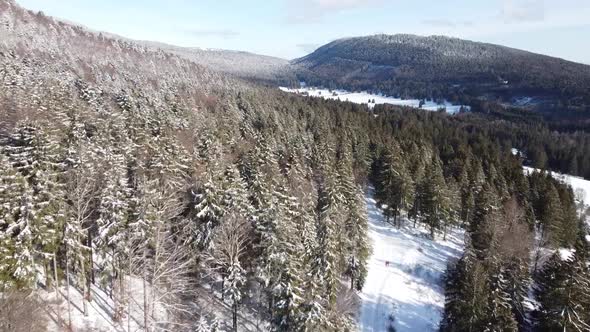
{"x": 229, "y": 244}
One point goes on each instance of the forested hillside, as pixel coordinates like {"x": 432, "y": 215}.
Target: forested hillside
{"x": 438, "y": 67}
{"x": 140, "y": 173}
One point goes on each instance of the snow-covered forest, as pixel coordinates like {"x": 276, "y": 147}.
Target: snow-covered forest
{"x": 141, "y": 191}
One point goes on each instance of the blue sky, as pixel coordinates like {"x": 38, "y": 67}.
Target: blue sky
{"x": 292, "y": 28}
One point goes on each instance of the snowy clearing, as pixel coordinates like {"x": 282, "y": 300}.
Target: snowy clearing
{"x": 410, "y": 287}
{"x": 364, "y": 97}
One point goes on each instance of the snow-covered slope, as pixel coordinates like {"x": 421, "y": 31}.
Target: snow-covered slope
{"x": 365, "y": 97}
{"x": 410, "y": 288}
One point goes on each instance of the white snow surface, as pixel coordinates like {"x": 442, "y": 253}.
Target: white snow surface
{"x": 364, "y": 97}
{"x": 578, "y": 184}
{"x": 100, "y": 309}
{"x": 411, "y": 287}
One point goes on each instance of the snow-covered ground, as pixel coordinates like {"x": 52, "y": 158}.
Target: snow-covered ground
{"x": 100, "y": 310}
{"x": 365, "y": 97}
{"x": 410, "y": 288}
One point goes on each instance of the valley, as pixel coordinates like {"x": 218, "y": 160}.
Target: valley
{"x": 372, "y": 99}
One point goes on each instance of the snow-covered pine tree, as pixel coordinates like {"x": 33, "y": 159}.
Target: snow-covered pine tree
{"x": 433, "y": 202}
{"x": 563, "y": 292}
{"x": 16, "y": 245}
{"x": 395, "y": 184}
{"x": 355, "y": 222}
{"x": 233, "y": 291}
{"x": 484, "y": 216}
{"x": 288, "y": 292}
{"x": 499, "y": 316}
{"x": 113, "y": 208}
{"x": 37, "y": 158}
{"x": 466, "y": 293}
{"x": 207, "y": 209}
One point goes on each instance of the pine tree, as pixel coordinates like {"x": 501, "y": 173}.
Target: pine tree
{"x": 499, "y": 315}
{"x": 395, "y": 184}
{"x": 208, "y": 210}
{"x": 466, "y": 294}
{"x": 233, "y": 291}
{"x": 433, "y": 203}
{"x": 38, "y": 225}
{"x": 564, "y": 294}
{"x": 113, "y": 208}
{"x": 16, "y": 250}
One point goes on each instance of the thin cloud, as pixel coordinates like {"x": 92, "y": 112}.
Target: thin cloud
{"x": 225, "y": 34}
{"x": 313, "y": 11}
{"x": 517, "y": 11}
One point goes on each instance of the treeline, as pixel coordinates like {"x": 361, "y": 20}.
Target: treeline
{"x": 539, "y": 145}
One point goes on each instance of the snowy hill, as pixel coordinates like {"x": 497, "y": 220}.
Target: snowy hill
{"x": 409, "y": 288}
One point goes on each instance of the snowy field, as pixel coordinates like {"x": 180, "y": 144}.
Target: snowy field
{"x": 364, "y": 97}
{"x": 411, "y": 286}
{"x": 578, "y": 184}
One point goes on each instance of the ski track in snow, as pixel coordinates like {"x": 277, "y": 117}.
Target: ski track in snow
{"x": 411, "y": 286}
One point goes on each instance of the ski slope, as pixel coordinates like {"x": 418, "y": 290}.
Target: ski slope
{"x": 365, "y": 97}
{"x": 411, "y": 287}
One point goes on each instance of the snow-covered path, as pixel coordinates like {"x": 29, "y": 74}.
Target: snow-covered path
{"x": 410, "y": 287}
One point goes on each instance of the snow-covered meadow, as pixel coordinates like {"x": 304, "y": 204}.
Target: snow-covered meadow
{"x": 408, "y": 292}
{"x": 373, "y": 99}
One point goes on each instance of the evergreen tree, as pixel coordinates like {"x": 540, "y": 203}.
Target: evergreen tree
{"x": 434, "y": 203}
{"x": 395, "y": 185}
{"x": 563, "y": 294}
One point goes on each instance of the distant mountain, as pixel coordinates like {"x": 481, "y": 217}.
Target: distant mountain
{"x": 61, "y": 44}
{"x": 443, "y": 67}
{"x": 260, "y": 68}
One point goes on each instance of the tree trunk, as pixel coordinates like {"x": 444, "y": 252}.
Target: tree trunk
{"x": 68, "y": 290}
{"x": 146, "y": 306}
{"x": 129, "y": 296}
{"x": 89, "y": 244}
{"x": 56, "y": 287}
{"x": 235, "y": 317}
{"x": 85, "y": 289}
{"x": 35, "y": 270}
